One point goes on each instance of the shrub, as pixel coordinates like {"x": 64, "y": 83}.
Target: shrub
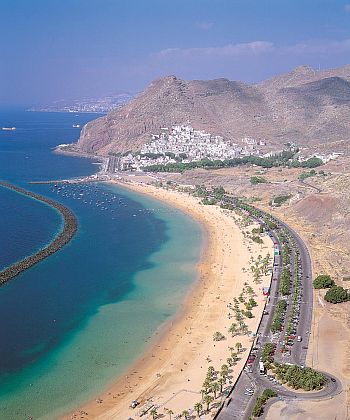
{"x": 218, "y": 336}
{"x": 323, "y": 281}
{"x": 257, "y": 180}
{"x": 337, "y": 294}
{"x": 280, "y": 199}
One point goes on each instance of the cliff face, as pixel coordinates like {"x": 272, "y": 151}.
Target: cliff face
{"x": 303, "y": 106}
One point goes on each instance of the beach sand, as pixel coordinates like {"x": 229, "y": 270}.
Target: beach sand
{"x": 172, "y": 371}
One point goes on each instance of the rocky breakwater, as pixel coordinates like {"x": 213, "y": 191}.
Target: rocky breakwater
{"x": 66, "y": 234}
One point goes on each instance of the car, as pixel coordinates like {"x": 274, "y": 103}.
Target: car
{"x": 333, "y": 380}
{"x": 305, "y": 347}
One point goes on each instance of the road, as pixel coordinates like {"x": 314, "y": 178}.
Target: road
{"x": 317, "y": 189}
{"x": 238, "y": 405}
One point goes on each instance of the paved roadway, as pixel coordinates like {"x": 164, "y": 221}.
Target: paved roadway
{"x": 238, "y": 405}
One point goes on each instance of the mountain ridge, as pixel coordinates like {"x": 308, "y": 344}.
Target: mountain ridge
{"x": 304, "y": 106}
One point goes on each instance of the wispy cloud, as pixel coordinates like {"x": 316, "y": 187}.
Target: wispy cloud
{"x": 257, "y": 48}
{"x": 205, "y": 26}
{"x": 347, "y": 8}
{"x": 229, "y": 50}
{"x": 320, "y": 47}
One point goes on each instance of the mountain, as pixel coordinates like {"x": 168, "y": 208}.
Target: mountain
{"x": 304, "y": 106}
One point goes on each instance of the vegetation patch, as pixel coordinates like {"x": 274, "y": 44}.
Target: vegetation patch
{"x": 254, "y": 180}
{"x": 280, "y": 199}
{"x": 267, "y": 354}
{"x": 323, "y": 281}
{"x": 284, "y": 159}
{"x": 298, "y": 377}
{"x": 337, "y": 294}
{"x": 305, "y": 175}
{"x": 278, "y": 318}
{"x": 218, "y": 336}
{"x": 261, "y": 401}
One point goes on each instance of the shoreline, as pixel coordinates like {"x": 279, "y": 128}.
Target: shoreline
{"x": 153, "y": 375}
{"x": 70, "y": 226}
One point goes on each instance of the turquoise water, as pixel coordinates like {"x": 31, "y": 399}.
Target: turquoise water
{"x": 77, "y": 320}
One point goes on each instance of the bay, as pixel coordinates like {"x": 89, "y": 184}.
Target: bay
{"x": 71, "y": 324}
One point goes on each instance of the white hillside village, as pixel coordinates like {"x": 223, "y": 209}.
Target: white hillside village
{"x": 182, "y": 143}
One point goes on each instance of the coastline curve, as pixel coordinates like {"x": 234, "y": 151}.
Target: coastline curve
{"x": 70, "y": 226}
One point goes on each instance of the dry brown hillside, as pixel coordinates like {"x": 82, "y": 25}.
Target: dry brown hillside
{"x": 304, "y": 106}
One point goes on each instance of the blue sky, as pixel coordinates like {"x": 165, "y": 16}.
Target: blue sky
{"x": 53, "y": 49}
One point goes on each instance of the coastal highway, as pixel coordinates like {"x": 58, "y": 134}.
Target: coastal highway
{"x": 238, "y": 405}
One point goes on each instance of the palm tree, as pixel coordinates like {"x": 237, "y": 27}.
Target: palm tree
{"x": 198, "y": 407}
{"x": 233, "y": 329}
{"x": 238, "y": 347}
{"x": 211, "y": 370}
{"x": 222, "y": 382}
{"x": 170, "y": 412}
{"x": 224, "y": 371}
{"x": 153, "y": 413}
{"x": 215, "y": 388}
{"x": 234, "y": 357}
{"x": 208, "y": 399}
{"x": 206, "y": 384}
{"x": 224, "y": 368}
{"x": 245, "y": 329}
{"x": 185, "y": 413}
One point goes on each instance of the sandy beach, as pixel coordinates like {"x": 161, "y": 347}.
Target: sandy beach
{"x": 171, "y": 373}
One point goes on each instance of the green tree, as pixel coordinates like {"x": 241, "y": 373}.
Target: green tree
{"x": 218, "y": 336}
{"x": 222, "y": 382}
{"x": 215, "y": 388}
{"x": 337, "y": 294}
{"x": 153, "y": 413}
{"x": 238, "y": 347}
{"x": 224, "y": 371}
{"x": 198, "y": 407}
{"x": 234, "y": 357}
{"x": 323, "y": 281}
{"x": 208, "y": 399}
{"x": 169, "y": 412}
{"x": 185, "y": 414}
{"x": 233, "y": 329}
{"x": 258, "y": 180}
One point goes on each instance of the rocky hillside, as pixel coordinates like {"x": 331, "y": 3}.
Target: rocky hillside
{"x": 304, "y": 106}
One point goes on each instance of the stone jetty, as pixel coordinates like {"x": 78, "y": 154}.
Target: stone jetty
{"x": 69, "y": 229}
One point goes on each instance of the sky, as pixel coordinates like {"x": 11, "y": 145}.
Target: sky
{"x": 62, "y": 49}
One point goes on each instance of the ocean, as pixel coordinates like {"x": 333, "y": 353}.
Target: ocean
{"x": 73, "y": 323}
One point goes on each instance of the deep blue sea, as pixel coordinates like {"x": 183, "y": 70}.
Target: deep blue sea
{"x": 74, "y": 322}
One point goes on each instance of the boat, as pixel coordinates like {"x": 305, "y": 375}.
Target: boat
{"x": 8, "y": 128}
{"x": 76, "y": 125}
